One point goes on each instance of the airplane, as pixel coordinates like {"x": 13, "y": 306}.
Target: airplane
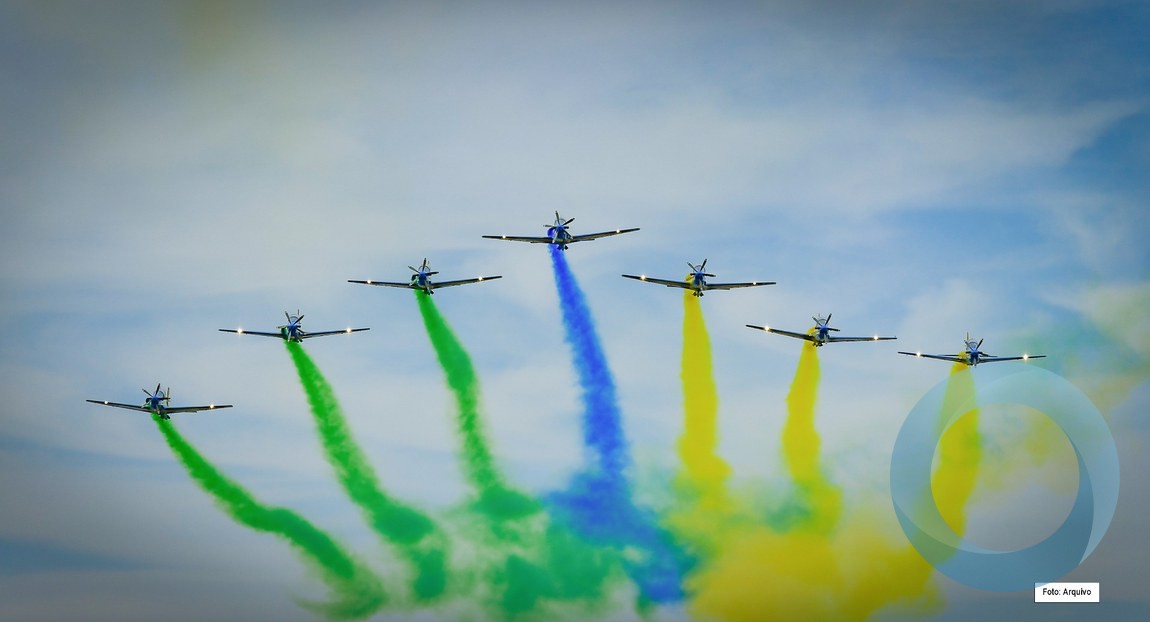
{"x": 819, "y": 334}
{"x": 293, "y": 330}
{"x": 973, "y": 356}
{"x": 422, "y": 280}
{"x": 157, "y": 404}
{"x": 558, "y": 235}
{"x": 696, "y": 280}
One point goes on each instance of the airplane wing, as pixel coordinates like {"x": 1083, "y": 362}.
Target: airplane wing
{"x": 681, "y": 284}
{"x": 520, "y": 238}
{"x": 128, "y": 406}
{"x": 941, "y": 357}
{"x": 803, "y": 336}
{"x": 736, "y": 285}
{"x": 251, "y": 332}
{"x": 435, "y": 285}
{"x": 386, "y": 284}
{"x": 192, "y": 409}
{"x": 330, "y": 332}
{"x": 596, "y": 236}
{"x": 995, "y": 359}
{"x": 835, "y": 339}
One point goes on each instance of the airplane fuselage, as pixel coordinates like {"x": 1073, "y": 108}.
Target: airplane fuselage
{"x": 698, "y": 283}
{"x": 422, "y": 281}
{"x": 155, "y": 405}
{"x": 559, "y": 236}
{"x": 292, "y": 332}
{"x": 821, "y": 336}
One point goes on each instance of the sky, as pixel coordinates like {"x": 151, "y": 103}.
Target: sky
{"x": 922, "y": 170}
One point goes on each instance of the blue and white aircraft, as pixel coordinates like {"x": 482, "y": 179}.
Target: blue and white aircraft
{"x": 157, "y": 404}
{"x": 820, "y": 333}
{"x": 422, "y": 280}
{"x": 696, "y": 280}
{"x": 973, "y": 356}
{"x": 558, "y": 235}
{"x": 293, "y": 330}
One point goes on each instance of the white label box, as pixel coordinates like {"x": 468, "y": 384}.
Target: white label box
{"x": 1066, "y": 592}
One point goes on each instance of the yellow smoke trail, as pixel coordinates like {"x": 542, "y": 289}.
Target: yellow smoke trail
{"x": 702, "y": 481}
{"x": 801, "y": 444}
{"x": 959, "y": 452}
{"x": 810, "y": 564}
{"x": 703, "y": 467}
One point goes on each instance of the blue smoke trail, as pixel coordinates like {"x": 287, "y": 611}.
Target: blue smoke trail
{"x": 597, "y": 502}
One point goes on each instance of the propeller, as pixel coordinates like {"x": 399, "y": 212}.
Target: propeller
{"x": 700, "y": 268}
{"x": 559, "y": 222}
{"x": 980, "y": 342}
{"x": 824, "y": 323}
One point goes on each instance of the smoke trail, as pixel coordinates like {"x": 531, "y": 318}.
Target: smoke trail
{"x": 805, "y": 562}
{"x": 700, "y": 439}
{"x": 704, "y": 501}
{"x": 529, "y": 562}
{"x": 820, "y": 501}
{"x": 597, "y": 502}
{"x": 959, "y": 451}
{"x": 418, "y": 539}
{"x": 358, "y": 592}
{"x": 495, "y": 497}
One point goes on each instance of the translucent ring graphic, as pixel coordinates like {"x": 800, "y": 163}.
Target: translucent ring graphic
{"x": 1063, "y": 550}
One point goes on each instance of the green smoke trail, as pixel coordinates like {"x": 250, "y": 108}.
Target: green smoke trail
{"x": 416, "y": 536}
{"x": 357, "y": 589}
{"x": 532, "y": 567}
{"x": 495, "y": 497}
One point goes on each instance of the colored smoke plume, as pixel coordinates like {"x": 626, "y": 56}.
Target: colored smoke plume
{"x": 357, "y": 591}
{"x": 528, "y": 563}
{"x": 804, "y": 561}
{"x": 597, "y": 503}
{"x": 495, "y": 498}
{"x": 418, "y": 539}
{"x": 959, "y": 451}
{"x": 699, "y": 442}
{"x": 704, "y": 503}
{"x": 819, "y": 501}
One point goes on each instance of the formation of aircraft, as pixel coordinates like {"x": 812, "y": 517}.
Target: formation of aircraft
{"x": 972, "y": 356}
{"x": 558, "y": 234}
{"x": 158, "y": 403}
{"x": 820, "y": 333}
{"x": 293, "y": 330}
{"x": 696, "y": 280}
{"x": 421, "y": 279}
